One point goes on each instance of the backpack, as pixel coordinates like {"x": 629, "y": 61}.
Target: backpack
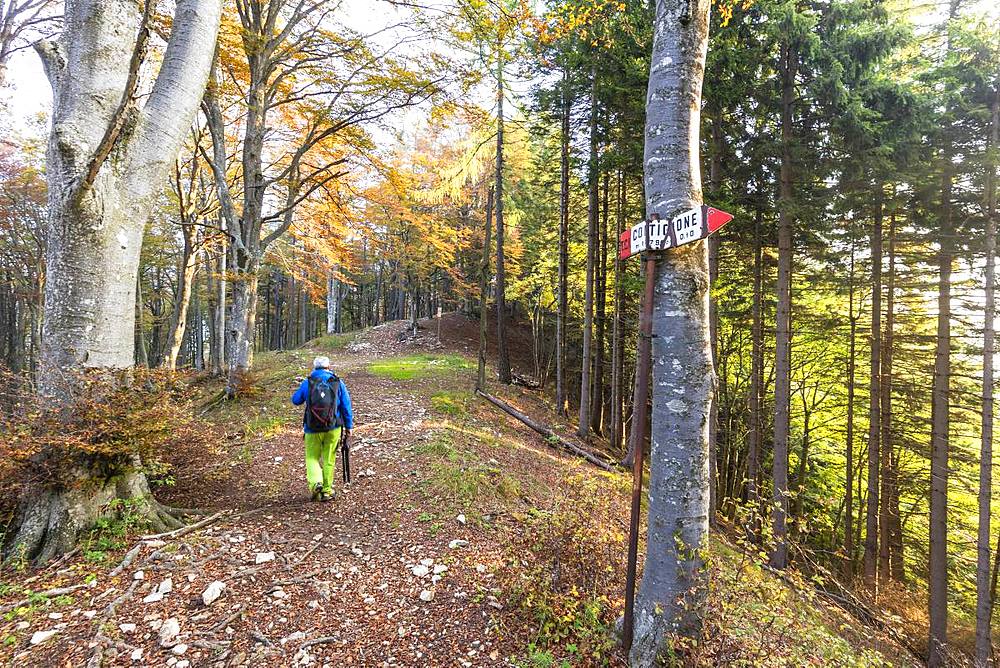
{"x": 321, "y": 404}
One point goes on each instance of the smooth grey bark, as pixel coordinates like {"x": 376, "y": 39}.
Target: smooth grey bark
{"x": 984, "y": 602}
{"x": 182, "y": 300}
{"x": 683, "y": 374}
{"x": 332, "y": 302}
{"x": 583, "y": 429}
{"x": 108, "y": 158}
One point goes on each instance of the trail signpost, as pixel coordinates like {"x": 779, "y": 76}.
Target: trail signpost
{"x": 650, "y": 237}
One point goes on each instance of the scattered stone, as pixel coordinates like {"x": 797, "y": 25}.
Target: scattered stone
{"x": 23, "y": 625}
{"x": 370, "y": 600}
{"x": 55, "y": 615}
{"x": 179, "y": 649}
{"x": 279, "y": 594}
{"x": 427, "y": 562}
{"x": 356, "y": 551}
{"x": 155, "y": 597}
{"x": 461, "y": 519}
{"x": 90, "y": 614}
{"x": 169, "y": 631}
{"x": 420, "y": 571}
{"x": 435, "y": 579}
{"x": 38, "y": 637}
{"x": 166, "y": 586}
{"x": 212, "y": 592}
{"x": 139, "y": 575}
{"x": 137, "y": 654}
{"x": 191, "y": 577}
{"x": 127, "y": 628}
{"x": 427, "y": 595}
{"x": 439, "y": 569}
{"x": 157, "y": 543}
{"x": 458, "y": 542}
{"x": 182, "y": 664}
{"x": 264, "y": 557}
{"x": 480, "y": 568}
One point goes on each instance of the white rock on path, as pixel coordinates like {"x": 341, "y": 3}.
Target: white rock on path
{"x": 38, "y": 637}
{"x": 420, "y": 571}
{"x": 169, "y": 631}
{"x": 179, "y": 649}
{"x": 439, "y": 569}
{"x": 264, "y": 557}
{"x": 213, "y": 592}
{"x": 139, "y": 575}
{"x": 458, "y": 542}
{"x": 137, "y": 654}
{"x": 166, "y": 586}
{"x": 127, "y": 628}
{"x": 427, "y": 596}
{"x": 155, "y": 597}
{"x": 461, "y": 519}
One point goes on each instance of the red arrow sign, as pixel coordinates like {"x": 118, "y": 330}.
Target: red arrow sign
{"x": 716, "y": 218}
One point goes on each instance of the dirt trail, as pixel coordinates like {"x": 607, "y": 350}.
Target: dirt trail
{"x": 350, "y": 582}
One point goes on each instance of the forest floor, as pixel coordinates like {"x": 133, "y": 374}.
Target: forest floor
{"x": 453, "y": 510}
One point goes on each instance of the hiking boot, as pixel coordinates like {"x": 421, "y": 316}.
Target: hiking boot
{"x": 327, "y": 496}
{"x": 317, "y": 493}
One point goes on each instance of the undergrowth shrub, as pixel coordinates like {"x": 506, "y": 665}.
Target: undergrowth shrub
{"x": 563, "y": 577}
{"x": 117, "y": 419}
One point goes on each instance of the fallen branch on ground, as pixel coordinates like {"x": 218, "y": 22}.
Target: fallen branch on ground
{"x": 49, "y": 593}
{"x": 547, "y": 432}
{"x": 177, "y": 533}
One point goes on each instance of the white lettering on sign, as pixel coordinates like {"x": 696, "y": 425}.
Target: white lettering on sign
{"x": 656, "y": 235}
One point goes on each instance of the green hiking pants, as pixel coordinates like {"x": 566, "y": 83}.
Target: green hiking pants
{"x": 321, "y": 456}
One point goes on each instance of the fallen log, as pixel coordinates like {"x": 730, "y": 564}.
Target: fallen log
{"x": 549, "y": 435}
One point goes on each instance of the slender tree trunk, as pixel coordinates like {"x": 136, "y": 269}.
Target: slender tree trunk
{"x": 756, "y": 435}
{"x": 332, "y": 302}
{"x": 715, "y": 179}
{"x": 182, "y": 300}
{"x": 890, "y": 475}
{"x": 617, "y": 336}
{"x": 583, "y": 431}
{"x": 682, "y": 358}
{"x": 783, "y": 332}
{"x": 849, "y": 447}
{"x": 599, "y": 395}
{"x": 984, "y": 604}
{"x": 873, "y": 556}
{"x": 940, "y": 424}
{"x": 503, "y": 355}
{"x": 563, "y": 308}
{"x": 484, "y": 285}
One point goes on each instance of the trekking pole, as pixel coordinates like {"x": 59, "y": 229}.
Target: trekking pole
{"x": 347, "y": 457}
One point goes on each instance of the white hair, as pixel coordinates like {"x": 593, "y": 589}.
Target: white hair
{"x": 321, "y": 362}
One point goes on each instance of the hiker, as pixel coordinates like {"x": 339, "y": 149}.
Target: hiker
{"x": 327, "y": 414}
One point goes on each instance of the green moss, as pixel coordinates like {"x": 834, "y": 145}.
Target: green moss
{"x": 450, "y": 402}
{"x": 415, "y": 366}
{"x": 331, "y": 342}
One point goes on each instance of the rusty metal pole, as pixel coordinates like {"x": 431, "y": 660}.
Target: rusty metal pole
{"x": 639, "y": 420}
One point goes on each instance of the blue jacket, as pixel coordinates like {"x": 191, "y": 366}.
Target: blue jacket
{"x": 344, "y": 411}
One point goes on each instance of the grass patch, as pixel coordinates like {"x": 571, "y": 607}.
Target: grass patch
{"x": 331, "y": 342}
{"x": 415, "y": 366}
{"x": 459, "y": 476}
{"x": 451, "y": 402}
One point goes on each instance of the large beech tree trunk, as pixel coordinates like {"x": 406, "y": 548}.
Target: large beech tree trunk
{"x": 874, "y": 561}
{"x": 682, "y": 356}
{"x": 107, "y": 160}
